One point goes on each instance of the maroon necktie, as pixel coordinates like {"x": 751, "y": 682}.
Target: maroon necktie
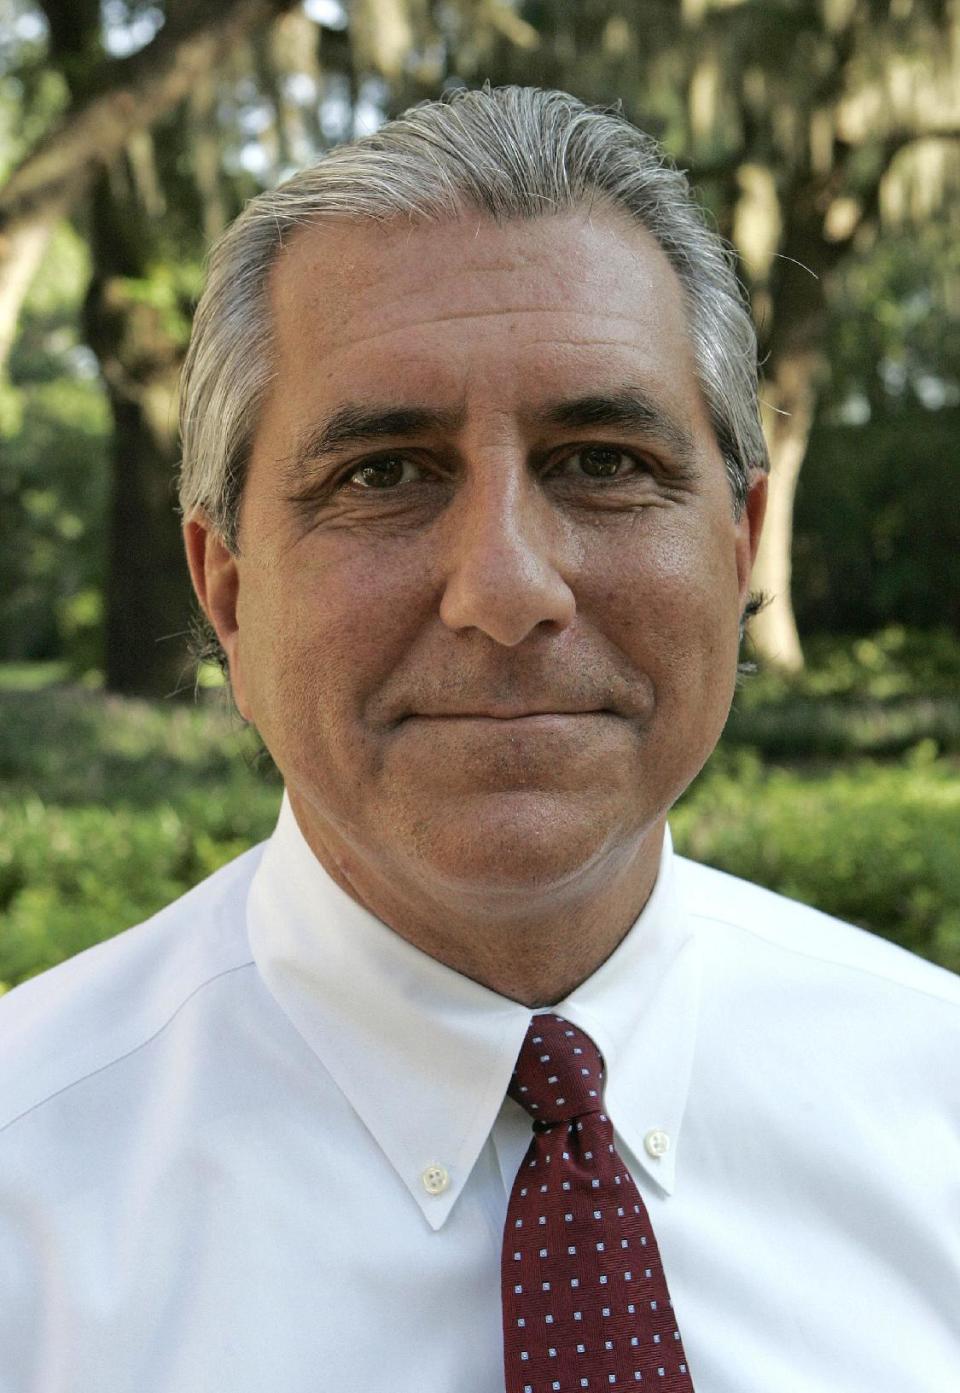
{"x": 585, "y": 1300}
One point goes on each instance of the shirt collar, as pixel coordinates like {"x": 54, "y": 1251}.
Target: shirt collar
{"x": 641, "y": 1008}
{"x": 361, "y": 995}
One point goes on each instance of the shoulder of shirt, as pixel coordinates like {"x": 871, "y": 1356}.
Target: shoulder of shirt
{"x": 790, "y": 927}
{"x": 98, "y": 1007}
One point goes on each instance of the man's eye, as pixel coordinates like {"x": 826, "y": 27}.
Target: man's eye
{"x": 383, "y": 473}
{"x": 599, "y": 462}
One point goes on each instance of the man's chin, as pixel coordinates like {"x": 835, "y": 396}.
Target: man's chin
{"x": 520, "y": 843}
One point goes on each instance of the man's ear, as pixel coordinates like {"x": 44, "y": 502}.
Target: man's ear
{"x": 749, "y": 527}
{"x": 216, "y": 580}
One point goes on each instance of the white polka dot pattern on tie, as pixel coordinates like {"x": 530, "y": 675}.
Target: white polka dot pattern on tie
{"x": 579, "y": 1309}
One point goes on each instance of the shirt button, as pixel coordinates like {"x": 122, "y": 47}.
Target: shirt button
{"x": 657, "y": 1143}
{"x": 435, "y": 1179}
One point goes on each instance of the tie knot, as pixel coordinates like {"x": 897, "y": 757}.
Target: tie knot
{"x": 559, "y": 1073}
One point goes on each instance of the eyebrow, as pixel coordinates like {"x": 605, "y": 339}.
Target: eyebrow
{"x": 628, "y": 409}
{"x": 353, "y": 424}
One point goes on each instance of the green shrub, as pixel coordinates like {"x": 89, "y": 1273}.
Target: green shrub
{"x": 111, "y": 808}
{"x": 873, "y": 844}
{"x": 69, "y": 746}
{"x": 893, "y": 663}
{"x": 880, "y": 695}
{"x": 801, "y": 727}
{"x": 70, "y": 877}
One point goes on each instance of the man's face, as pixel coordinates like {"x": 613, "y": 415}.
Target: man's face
{"x": 485, "y": 612}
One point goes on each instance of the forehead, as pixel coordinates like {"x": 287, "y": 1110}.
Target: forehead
{"x": 475, "y": 308}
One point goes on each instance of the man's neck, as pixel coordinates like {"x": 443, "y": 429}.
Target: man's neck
{"x": 530, "y": 945}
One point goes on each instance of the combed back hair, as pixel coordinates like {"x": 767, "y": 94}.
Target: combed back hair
{"x": 509, "y": 153}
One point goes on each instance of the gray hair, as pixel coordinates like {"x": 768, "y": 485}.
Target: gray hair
{"x": 511, "y": 153}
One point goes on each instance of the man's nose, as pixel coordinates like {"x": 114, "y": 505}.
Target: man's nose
{"x": 508, "y": 549}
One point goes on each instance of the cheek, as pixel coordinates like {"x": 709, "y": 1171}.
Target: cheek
{"x": 678, "y": 610}
{"x": 320, "y": 629}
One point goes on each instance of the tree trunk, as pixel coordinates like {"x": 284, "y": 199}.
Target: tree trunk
{"x": 21, "y": 252}
{"x": 134, "y": 334}
{"x": 788, "y": 400}
{"x": 128, "y": 95}
{"x": 148, "y": 593}
{"x": 789, "y": 300}
{"x": 148, "y": 598}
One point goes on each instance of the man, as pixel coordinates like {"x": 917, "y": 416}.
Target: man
{"x": 472, "y": 483}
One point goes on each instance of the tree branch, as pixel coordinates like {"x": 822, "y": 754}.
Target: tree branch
{"x": 124, "y": 96}
{"x": 130, "y": 94}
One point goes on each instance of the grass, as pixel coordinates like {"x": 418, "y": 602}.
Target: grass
{"x": 32, "y": 677}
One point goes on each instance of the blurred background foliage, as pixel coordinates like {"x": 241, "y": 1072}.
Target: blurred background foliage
{"x": 839, "y": 788}
{"x": 824, "y": 137}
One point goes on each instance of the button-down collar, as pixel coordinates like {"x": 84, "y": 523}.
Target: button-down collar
{"x": 424, "y": 1055}
{"x": 641, "y": 1007}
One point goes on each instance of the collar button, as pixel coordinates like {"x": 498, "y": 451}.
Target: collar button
{"x": 656, "y": 1143}
{"x": 435, "y": 1179}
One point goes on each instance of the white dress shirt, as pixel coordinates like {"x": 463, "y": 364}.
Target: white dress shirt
{"x": 262, "y": 1143}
